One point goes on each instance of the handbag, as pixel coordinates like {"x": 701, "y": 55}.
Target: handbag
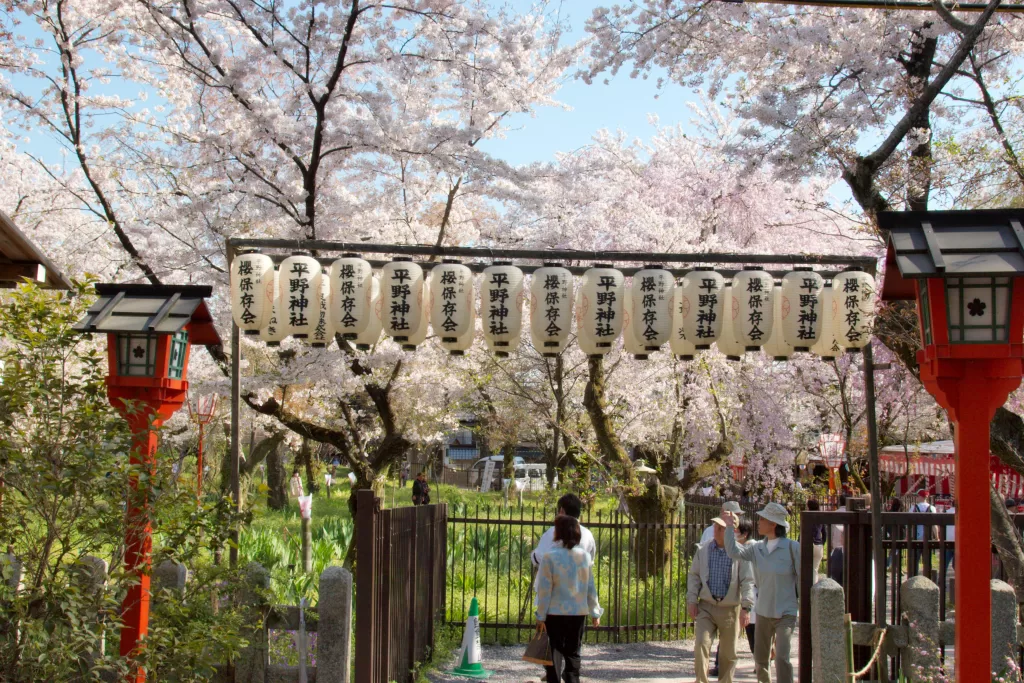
{"x": 538, "y": 650}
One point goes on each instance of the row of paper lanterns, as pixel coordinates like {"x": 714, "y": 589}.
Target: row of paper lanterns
{"x": 802, "y": 312}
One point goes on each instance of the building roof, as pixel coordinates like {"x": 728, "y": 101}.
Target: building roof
{"x": 923, "y": 244}
{"x": 944, "y": 447}
{"x": 20, "y": 258}
{"x": 152, "y": 309}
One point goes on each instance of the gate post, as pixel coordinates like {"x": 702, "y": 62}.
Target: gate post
{"x": 367, "y": 614}
{"x": 859, "y": 574}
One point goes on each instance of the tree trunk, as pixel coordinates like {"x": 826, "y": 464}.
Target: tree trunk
{"x": 306, "y": 455}
{"x": 277, "y": 480}
{"x": 1007, "y": 542}
{"x": 559, "y": 391}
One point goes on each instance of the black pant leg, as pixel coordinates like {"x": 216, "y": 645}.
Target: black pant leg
{"x": 750, "y": 636}
{"x": 556, "y": 634}
{"x": 571, "y": 629}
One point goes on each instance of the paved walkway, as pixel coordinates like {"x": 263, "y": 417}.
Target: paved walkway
{"x": 669, "y": 662}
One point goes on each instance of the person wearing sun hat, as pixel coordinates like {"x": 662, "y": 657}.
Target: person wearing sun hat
{"x": 776, "y": 564}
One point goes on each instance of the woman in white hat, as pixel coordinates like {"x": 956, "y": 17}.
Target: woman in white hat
{"x": 776, "y": 561}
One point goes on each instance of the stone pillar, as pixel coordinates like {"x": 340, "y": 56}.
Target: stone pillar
{"x": 10, "y": 584}
{"x": 828, "y": 609}
{"x": 10, "y": 569}
{"x": 334, "y": 631}
{"x": 920, "y": 598}
{"x": 1004, "y": 626}
{"x": 253, "y": 661}
{"x": 170, "y": 575}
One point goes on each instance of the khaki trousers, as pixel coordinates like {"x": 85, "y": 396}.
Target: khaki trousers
{"x": 781, "y": 632}
{"x": 725, "y": 621}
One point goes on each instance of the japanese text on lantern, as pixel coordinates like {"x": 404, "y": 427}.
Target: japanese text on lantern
{"x": 653, "y": 291}
{"x": 707, "y": 299}
{"x": 499, "y": 303}
{"x": 321, "y": 333}
{"x": 400, "y": 293}
{"x": 605, "y": 306}
{"x": 755, "y": 301}
{"x": 298, "y": 285}
{"x": 851, "y": 304}
{"x": 807, "y": 315}
{"x": 247, "y": 286}
{"x": 554, "y": 293}
{"x": 347, "y": 292}
{"x": 450, "y": 288}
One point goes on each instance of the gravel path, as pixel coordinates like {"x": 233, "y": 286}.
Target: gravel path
{"x": 669, "y": 662}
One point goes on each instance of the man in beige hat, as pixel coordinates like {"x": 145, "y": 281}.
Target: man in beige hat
{"x": 719, "y": 596}
{"x": 727, "y": 506}
{"x": 776, "y": 563}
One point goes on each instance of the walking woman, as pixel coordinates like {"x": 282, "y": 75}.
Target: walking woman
{"x": 776, "y": 561}
{"x": 566, "y": 595}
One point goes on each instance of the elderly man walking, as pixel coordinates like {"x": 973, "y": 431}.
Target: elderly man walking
{"x": 719, "y": 596}
{"x": 728, "y": 506}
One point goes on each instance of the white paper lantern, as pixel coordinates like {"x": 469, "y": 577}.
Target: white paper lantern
{"x": 630, "y": 342}
{"x": 853, "y": 290}
{"x": 702, "y": 306}
{"x": 451, "y": 300}
{"x": 753, "y": 290}
{"x": 351, "y": 290}
{"x": 273, "y": 333}
{"x": 252, "y": 291}
{"x": 551, "y": 309}
{"x": 588, "y": 345}
{"x": 682, "y": 347}
{"x": 652, "y": 293}
{"x": 776, "y": 346}
{"x": 371, "y": 335}
{"x": 728, "y": 343}
{"x": 501, "y": 307}
{"x": 300, "y": 294}
{"x": 402, "y": 289}
{"x": 826, "y": 346}
{"x": 322, "y": 335}
{"x": 602, "y": 294}
{"x": 802, "y": 308}
{"x": 419, "y": 334}
{"x": 464, "y": 341}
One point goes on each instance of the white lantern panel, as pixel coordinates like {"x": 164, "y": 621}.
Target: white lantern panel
{"x": 451, "y": 300}
{"x": 273, "y": 333}
{"x": 801, "y": 310}
{"x": 753, "y": 291}
{"x": 323, "y": 331}
{"x": 854, "y": 294}
{"x": 252, "y": 291}
{"x": 501, "y": 306}
{"x": 702, "y": 306}
{"x": 728, "y": 343}
{"x": 464, "y": 341}
{"x": 402, "y": 288}
{"x": 978, "y": 309}
{"x": 301, "y": 294}
{"x": 587, "y": 344}
{"x": 681, "y": 346}
{"x": 827, "y": 347}
{"x": 351, "y": 291}
{"x": 652, "y": 293}
{"x": 776, "y": 346}
{"x": 631, "y": 343}
{"x": 371, "y": 335}
{"x": 601, "y": 306}
{"x": 418, "y": 335}
{"x": 551, "y": 309}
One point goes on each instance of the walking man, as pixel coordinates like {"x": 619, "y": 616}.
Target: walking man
{"x": 917, "y": 554}
{"x": 571, "y": 505}
{"x": 719, "y": 596}
{"x": 728, "y": 506}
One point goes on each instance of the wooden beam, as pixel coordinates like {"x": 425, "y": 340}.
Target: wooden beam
{"x": 17, "y": 271}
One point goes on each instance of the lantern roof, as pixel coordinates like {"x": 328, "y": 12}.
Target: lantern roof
{"x": 924, "y": 244}
{"x": 152, "y": 309}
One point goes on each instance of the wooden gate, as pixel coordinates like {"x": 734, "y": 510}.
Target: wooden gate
{"x": 400, "y": 586}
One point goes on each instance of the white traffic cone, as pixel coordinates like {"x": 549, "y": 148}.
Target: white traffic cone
{"x": 470, "y": 664}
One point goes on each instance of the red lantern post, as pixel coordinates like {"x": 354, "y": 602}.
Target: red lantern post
{"x": 964, "y": 269}
{"x": 203, "y": 414}
{"x": 150, "y": 330}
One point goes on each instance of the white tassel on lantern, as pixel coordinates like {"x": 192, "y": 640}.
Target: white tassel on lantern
{"x": 826, "y": 346}
{"x": 682, "y": 347}
{"x": 728, "y": 343}
{"x": 776, "y": 346}
{"x": 451, "y": 300}
{"x": 501, "y": 307}
{"x": 630, "y": 342}
{"x": 652, "y": 294}
{"x": 273, "y": 333}
{"x": 752, "y": 289}
{"x": 602, "y": 294}
{"x": 401, "y": 286}
{"x": 371, "y": 335}
{"x": 802, "y": 314}
{"x": 419, "y": 335}
{"x": 351, "y": 290}
{"x": 703, "y": 306}
{"x": 301, "y": 294}
{"x": 323, "y": 331}
{"x": 853, "y": 290}
{"x": 252, "y": 291}
{"x": 551, "y": 309}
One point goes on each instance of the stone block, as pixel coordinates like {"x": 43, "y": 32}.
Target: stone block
{"x": 334, "y": 630}
{"x": 170, "y": 575}
{"x": 828, "y": 609}
{"x": 1004, "y": 626}
{"x": 920, "y": 598}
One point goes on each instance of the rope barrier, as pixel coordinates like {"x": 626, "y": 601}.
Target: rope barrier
{"x": 880, "y": 636}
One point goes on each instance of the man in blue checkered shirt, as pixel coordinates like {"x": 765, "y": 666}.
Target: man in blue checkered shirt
{"x": 719, "y": 596}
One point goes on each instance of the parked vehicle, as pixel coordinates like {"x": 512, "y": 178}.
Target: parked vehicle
{"x": 531, "y": 477}
{"x": 477, "y": 470}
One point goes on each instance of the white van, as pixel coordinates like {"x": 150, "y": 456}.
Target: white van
{"x": 477, "y": 470}
{"x": 531, "y": 477}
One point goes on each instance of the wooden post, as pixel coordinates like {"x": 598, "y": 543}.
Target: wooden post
{"x": 307, "y": 546}
{"x": 367, "y": 615}
{"x": 857, "y": 553}
{"x": 236, "y": 398}
{"x": 876, "y": 501}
